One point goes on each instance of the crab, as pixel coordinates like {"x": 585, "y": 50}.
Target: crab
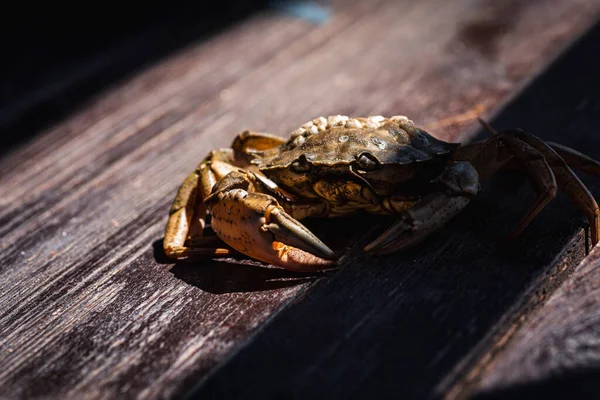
{"x": 257, "y": 191}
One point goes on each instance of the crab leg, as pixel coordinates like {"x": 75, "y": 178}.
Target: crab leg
{"x": 540, "y": 174}
{"x": 488, "y": 157}
{"x": 567, "y": 180}
{"x": 547, "y": 166}
{"x": 460, "y": 182}
{"x": 576, "y": 159}
{"x": 183, "y": 235}
{"x": 249, "y": 141}
{"x": 256, "y": 225}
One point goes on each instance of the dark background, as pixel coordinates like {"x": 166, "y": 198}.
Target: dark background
{"x": 56, "y": 56}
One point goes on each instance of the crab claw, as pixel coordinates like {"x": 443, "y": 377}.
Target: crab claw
{"x": 460, "y": 181}
{"x": 426, "y": 217}
{"x": 256, "y": 225}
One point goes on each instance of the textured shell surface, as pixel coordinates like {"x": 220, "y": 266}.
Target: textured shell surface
{"x": 390, "y": 141}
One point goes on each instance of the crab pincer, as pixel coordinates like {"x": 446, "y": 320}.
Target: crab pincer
{"x": 255, "y": 224}
{"x": 459, "y": 183}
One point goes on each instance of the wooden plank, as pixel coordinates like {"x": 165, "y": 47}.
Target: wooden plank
{"x": 578, "y": 107}
{"x": 85, "y": 307}
{"x": 556, "y": 352}
{"x": 413, "y": 325}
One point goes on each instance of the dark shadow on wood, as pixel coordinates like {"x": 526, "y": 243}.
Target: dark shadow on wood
{"x": 399, "y": 325}
{"x": 239, "y": 273}
{"x": 87, "y": 309}
{"x": 557, "y": 346}
{"x": 226, "y": 276}
{"x": 159, "y": 253}
{"x": 232, "y": 274}
{"x": 59, "y": 61}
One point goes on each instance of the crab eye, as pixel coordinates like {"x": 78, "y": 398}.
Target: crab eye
{"x": 367, "y": 162}
{"x": 300, "y": 165}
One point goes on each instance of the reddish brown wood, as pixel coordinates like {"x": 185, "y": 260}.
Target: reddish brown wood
{"x": 423, "y": 323}
{"x": 85, "y": 309}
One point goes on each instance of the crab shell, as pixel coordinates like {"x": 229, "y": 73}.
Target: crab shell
{"x": 389, "y": 156}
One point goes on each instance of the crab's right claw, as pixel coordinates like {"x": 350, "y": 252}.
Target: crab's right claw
{"x": 256, "y": 225}
{"x": 460, "y": 181}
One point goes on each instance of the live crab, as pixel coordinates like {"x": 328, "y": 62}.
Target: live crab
{"x": 257, "y": 191}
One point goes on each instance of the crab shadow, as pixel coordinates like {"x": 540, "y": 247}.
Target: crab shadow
{"x": 230, "y": 275}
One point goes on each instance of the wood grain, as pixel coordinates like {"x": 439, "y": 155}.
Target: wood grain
{"x": 574, "y": 107}
{"x": 86, "y": 306}
{"x": 556, "y": 352}
{"x": 422, "y": 324}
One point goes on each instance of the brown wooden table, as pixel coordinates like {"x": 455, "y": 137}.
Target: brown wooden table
{"x": 89, "y": 307}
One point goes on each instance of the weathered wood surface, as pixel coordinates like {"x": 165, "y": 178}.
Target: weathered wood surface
{"x": 87, "y": 309}
{"x": 421, "y": 324}
{"x": 579, "y": 107}
{"x": 557, "y": 352}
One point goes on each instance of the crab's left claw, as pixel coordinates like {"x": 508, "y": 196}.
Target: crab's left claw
{"x": 460, "y": 182}
{"x": 426, "y": 217}
{"x": 256, "y": 225}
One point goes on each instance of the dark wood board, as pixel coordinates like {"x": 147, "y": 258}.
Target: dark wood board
{"x": 578, "y": 124}
{"x": 406, "y": 326}
{"x": 555, "y": 354}
{"x": 86, "y": 306}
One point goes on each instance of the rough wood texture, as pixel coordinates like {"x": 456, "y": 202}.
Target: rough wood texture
{"x": 85, "y": 307}
{"x": 557, "y": 352}
{"x": 413, "y": 325}
{"x": 579, "y": 114}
